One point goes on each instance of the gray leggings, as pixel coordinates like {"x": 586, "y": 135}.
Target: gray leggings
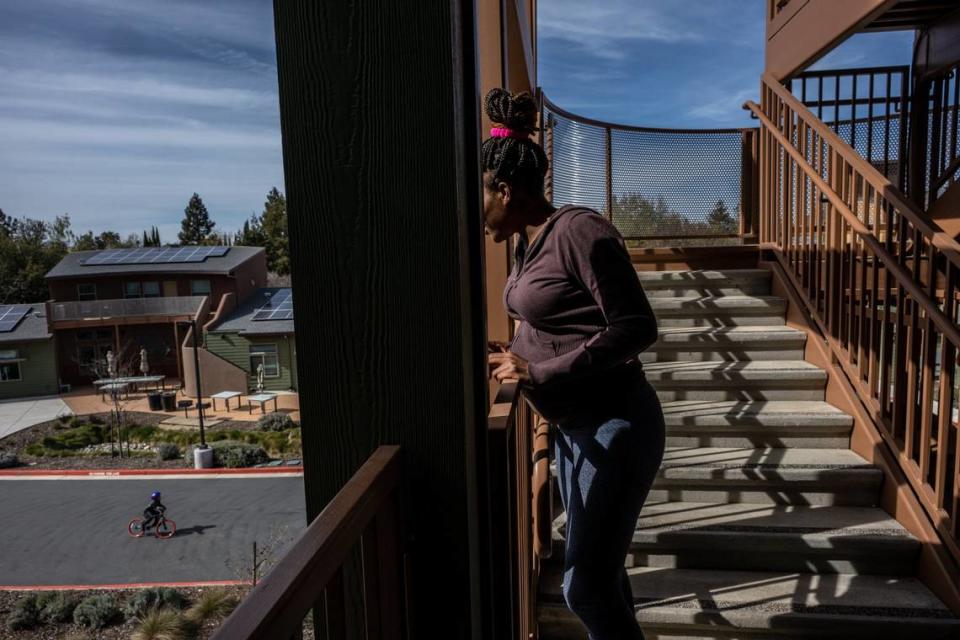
{"x": 606, "y": 467}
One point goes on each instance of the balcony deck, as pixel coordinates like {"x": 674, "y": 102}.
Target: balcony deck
{"x": 65, "y": 315}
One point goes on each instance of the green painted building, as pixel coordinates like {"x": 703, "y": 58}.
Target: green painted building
{"x": 260, "y": 332}
{"x": 28, "y": 357}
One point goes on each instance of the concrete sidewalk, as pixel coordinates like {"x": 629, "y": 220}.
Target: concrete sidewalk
{"x": 17, "y": 415}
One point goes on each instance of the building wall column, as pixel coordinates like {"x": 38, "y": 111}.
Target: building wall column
{"x": 378, "y": 107}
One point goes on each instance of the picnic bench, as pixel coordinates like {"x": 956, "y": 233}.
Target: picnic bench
{"x": 262, "y": 399}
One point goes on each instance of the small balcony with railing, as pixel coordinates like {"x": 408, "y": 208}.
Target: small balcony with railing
{"x": 81, "y": 313}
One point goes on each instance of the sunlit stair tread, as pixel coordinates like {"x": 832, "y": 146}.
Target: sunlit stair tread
{"x": 766, "y": 604}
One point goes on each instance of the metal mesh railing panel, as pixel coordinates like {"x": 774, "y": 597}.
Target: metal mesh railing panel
{"x": 652, "y": 183}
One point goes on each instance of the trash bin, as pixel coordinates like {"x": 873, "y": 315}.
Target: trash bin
{"x": 169, "y": 401}
{"x": 155, "y": 401}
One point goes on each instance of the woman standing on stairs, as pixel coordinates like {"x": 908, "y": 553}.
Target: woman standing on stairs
{"x": 584, "y": 319}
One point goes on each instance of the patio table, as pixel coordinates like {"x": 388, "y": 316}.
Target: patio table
{"x": 262, "y": 399}
{"x": 226, "y": 396}
{"x": 113, "y": 387}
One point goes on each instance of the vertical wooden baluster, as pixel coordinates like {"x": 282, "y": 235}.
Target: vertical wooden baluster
{"x": 822, "y": 252}
{"x": 888, "y": 336}
{"x": 787, "y": 185}
{"x": 803, "y": 243}
{"x": 369, "y": 551}
{"x": 336, "y": 607}
{"x": 913, "y": 354}
{"x": 948, "y": 360}
{"x": 899, "y": 355}
{"x": 832, "y": 248}
{"x": 866, "y": 298}
{"x": 875, "y": 296}
{"x": 390, "y": 578}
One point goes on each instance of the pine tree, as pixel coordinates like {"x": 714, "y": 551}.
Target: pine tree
{"x": 720, "y": 217}
{"x": 196, "y": 227}
{"x": 273, "y": 221}
{"x": 151, "y": 239}
{"x": 252, "y": 234}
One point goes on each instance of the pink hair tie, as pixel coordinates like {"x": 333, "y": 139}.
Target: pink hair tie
{"x": 504, "y": 132}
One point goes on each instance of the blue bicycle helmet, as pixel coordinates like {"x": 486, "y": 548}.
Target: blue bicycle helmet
{"x": 155, "y": 495}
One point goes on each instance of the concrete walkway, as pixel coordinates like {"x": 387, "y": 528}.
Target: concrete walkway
{"x": 17, "y": 415}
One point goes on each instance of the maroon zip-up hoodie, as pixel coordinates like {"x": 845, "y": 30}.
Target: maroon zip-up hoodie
{"x": 584, "y": 314}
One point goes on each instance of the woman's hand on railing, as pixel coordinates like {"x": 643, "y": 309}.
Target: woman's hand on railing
{"x": 507, "y": 366}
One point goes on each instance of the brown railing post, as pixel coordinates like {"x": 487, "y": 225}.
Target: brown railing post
{"x": 749, "y": 189}
{"x": 608, "y": 146}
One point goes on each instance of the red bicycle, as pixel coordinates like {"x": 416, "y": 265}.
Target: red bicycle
{"x": 163, "y": 529}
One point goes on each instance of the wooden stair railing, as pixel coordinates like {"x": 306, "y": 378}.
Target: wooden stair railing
{"x": 520, "y": 511}
{"x": 309, "y": 577}
{"x": 881, "y": 281}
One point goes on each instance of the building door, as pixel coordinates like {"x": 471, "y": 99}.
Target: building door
{"x": 169, "y": 288}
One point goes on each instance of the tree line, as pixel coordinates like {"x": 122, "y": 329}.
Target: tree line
{"x": 29, "y": 248}
{"x": 636, "y": 215}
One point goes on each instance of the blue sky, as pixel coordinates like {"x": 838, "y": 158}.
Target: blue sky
{"x": 652, "y": 63}
{"x": 116, "y": 111}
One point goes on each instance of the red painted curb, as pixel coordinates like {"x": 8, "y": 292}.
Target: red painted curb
{"x": 114, "y": 473}
{"x": 132, "y": 585}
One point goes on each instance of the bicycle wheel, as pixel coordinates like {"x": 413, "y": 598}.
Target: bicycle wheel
{"x": 165, "y": 528}
{"x": 135, "y": 528}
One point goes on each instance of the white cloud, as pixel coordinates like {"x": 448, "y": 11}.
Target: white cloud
{"x": 602, "y": 29}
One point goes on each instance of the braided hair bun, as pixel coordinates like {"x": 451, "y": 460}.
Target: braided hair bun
{"x": 514, "y": 111}
{"x": 518, "y": 161}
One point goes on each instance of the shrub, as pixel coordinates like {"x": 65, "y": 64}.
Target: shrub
{"x": 8, "y": 459}
{"x": 233, "y": 454}
{"x": 24, "y": 615}
{"x": 95, "y": 420}
{"x": 153, "y": 598}
{"x": 211, "y": 605}
{"x": 75, "y": 438}
{"x": 56, "y": 608}
{"x": 162, "y": 624}
{"x": 97, "y": 612}
{"x": 168, "y": 451}
{"x": 275, "y": 421}
{"x": 76, "y": 421}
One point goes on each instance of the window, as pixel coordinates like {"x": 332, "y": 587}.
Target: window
{"x": 151, "y": 289}
{"x": 265, "y": 354}
{"x": 199, "y": 287}
{"x": 131, "y": 290}
{"x": 9, "y": 366}
{"x": 9, "y": 371}
{"x": 86, "y": 292}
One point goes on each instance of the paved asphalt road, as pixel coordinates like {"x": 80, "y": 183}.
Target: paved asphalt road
{"x": 74, "y": 531}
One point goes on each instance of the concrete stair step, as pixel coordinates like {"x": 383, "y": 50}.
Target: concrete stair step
{"x": 738, "y": 343}
{"x": 809, "y": 424}
{"x": 766, "y": 476}
{"x": 751, "y": 380}
{"x": 768, "y": 605}
{"x": 808, "y": 539}
{"x": 719, "y": 311}
{"x": 658, "y": 284}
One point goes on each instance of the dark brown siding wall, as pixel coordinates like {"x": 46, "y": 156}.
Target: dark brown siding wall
{"x": 379, "y": 115}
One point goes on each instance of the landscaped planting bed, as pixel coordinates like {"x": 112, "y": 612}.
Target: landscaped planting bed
{"x": 84, "y": 443}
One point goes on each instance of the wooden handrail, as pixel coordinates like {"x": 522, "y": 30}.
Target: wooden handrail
{"x": 278, "y": 604}
{"x": 880, "y": 280}
{"x": 904, "y": 278}
{"x": 940, "y": 239}
{"x": 520, "y": 508}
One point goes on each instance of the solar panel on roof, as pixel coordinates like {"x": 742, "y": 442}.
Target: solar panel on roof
{"x": 280, "y": 307}
{"x": 155, "y": 255}
{"x": 11, "y": 315}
